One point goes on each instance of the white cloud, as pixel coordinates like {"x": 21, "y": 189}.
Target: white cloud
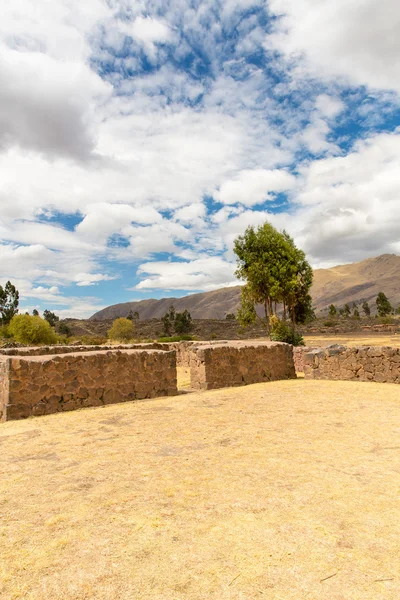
{"x": 201, "y": 274}
{"x": 348, "y": 205}
{"x": 151, "y": 31}
{"x": 254, "y": 187}
{"x": 355, "y": 41}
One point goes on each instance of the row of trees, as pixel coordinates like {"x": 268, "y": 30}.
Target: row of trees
{"x": 383, "y": 306}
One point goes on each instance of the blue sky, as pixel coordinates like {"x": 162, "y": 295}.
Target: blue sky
{"x": 138, "y": 139}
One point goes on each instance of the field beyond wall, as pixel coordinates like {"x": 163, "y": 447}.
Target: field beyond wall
{"x": 286, "y": 491}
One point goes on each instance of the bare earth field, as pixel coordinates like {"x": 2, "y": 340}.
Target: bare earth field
{"x": 353, "y": 340}
{"x": 286, "y": 490}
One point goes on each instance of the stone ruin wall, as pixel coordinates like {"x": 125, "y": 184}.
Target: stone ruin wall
{"x": 298, "y": 356}
{"x": 42, "y": 350}
{"x": 365, "y": 363}
{"x": 216, "y": 365}
{"x": 39, "y": 385}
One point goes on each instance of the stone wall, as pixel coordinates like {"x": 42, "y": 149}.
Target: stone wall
{"x": 38, "y": 385}
{"x": 42, "y": 350}
{"x": 298, "y": 356}
{"x": 239, "y": 363}
{"x": 366, "y": 363}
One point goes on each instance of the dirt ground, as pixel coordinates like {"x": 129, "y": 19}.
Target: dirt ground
{"x": 281, "y": 491}
{"x": 353, "y": 340}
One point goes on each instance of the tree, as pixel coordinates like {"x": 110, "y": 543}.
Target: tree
{"x": 356, "y": 313}
{"x": 169, "y": 320}
{"x": 50, "y": 317}
{"x": 175, "y": 322}
{"x": 366, "y": 308}
{"x": 121, "y": 330}
{"x": 347, "y": 310}
{"x": 383, "y": 305}
{"x": 275, "y": 272}
{"x": 35, "y": 312}
{"x": 27, "y": 329}
{"x": 332, "y": 310}
{"x": 63, "y": 329}
{"x": 183, "y": 322}
{"x": 230, "y": 317}
{"x": 398, "y": 310}
{"x": 9, "y": 300}
{"x": 130, "y": 315}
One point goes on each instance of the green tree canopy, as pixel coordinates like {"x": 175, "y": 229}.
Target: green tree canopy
{"x": 121, "y": 330}
{"x": 9, "y": 300}
{"x": 50, "y": 317}
{"x": 332, "y": 310}
{"x": 366, "y": 308}
{"x": 383, "y": 305}
{"x": 28, "y": 329}
{"x": 275, "y": 272}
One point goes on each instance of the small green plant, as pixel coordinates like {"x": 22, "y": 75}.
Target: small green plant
{"x": 385, "y": 320}
{"x": 281, "y": 331}
{"x": 176, "y": 338}
{"x": 329, "y": 323}
{"x": 121, "y": 330}
{"x": 213, "y": 336}
{"x": 230, "y": 317}
{"x": 29, "y": 330}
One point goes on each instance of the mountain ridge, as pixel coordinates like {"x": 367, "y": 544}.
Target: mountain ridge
{"x": 348, "y": 283}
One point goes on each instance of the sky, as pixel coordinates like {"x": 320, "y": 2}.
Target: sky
{"x": 139, "y": 138}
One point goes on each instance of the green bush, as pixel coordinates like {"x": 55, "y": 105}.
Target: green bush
{"x": 177, "y": 338}
{"x": 121, "y": 330}
{"x": 30, "y": 330}
{"x": 329, "y": 323}
{"x": 63, "y": 328}
{"x": 5, "y": 332}
{"x": 282, "y": 332}
{"x": 386, "y": 320}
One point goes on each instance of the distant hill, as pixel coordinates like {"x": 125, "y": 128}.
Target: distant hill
{"x": 339, "y": 285}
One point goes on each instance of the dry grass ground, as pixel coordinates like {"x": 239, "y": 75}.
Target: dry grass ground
{"x": 353, "y": 340}
{"x": 281, "y": 491}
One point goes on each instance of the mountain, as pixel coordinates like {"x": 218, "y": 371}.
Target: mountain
{"x": 339, "y": 285}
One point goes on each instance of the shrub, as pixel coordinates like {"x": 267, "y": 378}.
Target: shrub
{"x": 63, "y": 328}
{"x": 329, "y": 323}
{"x": 121, "y": 330}
{"x": 27, "y": 329}
{"x": 177, "y": 338}
{"x": 282, "y": 332}
{"x": 386, "y": 320}
{"x": 230, "y": 317}
{"x": 5, "y": 332}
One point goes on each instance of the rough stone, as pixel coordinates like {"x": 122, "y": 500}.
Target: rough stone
{"x": 380, "y": 364}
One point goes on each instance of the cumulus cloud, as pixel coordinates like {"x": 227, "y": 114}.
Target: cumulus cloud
{"x": 355, "y": 41}
{"x": 130, "y": 131}
{"x": 207, "y": 274}
{"x": 254, "y": 187}
{"x": 348, "y": 205}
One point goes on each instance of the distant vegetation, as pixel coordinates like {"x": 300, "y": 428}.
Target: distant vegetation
{"x": 122, "y": 330}
{"x": 175, "y": 322}
{"x": 30, "y": 330}
{"x": 276, "y": 273}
